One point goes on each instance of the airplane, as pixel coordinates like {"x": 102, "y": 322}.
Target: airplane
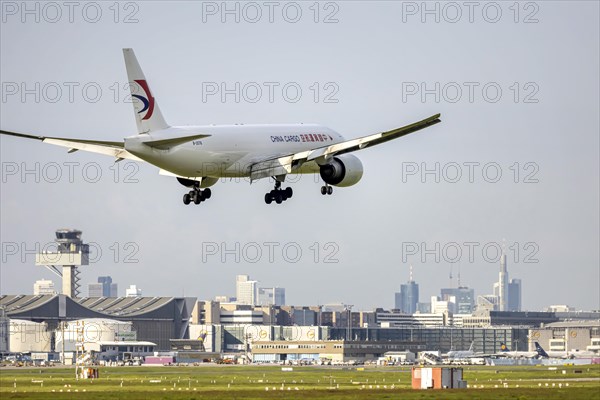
{"x": 504, "y": 352}
{"x": 562, "y": 354}
{"x": 198, "y": 156}
{"x": 456, "y": 354}
{"x": 538, "y": 353}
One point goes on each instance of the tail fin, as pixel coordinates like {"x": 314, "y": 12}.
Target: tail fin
{"x": 503, "y": 347}
{"x": 541, "y": 352}
{"x": 147, "y": 114}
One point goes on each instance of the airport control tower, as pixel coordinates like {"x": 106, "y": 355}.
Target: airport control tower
{"x": 70, "y": 254}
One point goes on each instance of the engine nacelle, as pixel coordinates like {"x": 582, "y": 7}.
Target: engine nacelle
{"x": 206, "y": 182}
{"x": 343, "y": 170}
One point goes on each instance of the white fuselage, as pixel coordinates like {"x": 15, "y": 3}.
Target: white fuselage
{"x": 517, "y": 354}
{"x": 231, "y": 149}
{"x": 570, "y": 354}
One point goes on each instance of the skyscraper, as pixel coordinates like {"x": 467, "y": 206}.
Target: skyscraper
{"x": 109, "y": 289}
{"x": 462, "y": 299}
{"x": 273, "y": 296}
{"x": 246, "y": 291}
{"x": 514, "y": 295}
{"x": 406, "y": 300}
{"x": 507, "y": 294}
{"x": 95, "y": 290}
{"x": 503, "y": 285}
{"x": 104, "y": 288}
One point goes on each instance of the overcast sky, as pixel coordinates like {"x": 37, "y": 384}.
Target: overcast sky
{"x": 517, "y": 152}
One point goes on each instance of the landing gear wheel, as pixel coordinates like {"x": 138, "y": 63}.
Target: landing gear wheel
{"x": 323, "y": 190}
{"x": 196, "y": 195}
{"x": 278, "y": 195}
{"x": 329, "y": 190}
{"x": 198, "y": 198}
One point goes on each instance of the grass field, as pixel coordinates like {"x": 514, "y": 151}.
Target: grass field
{"x": 260, "y": 382}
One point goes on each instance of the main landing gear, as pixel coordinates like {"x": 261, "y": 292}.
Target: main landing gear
{"x": 278, "y": 195}
{"x": 326, "y": 190}
{"x": 196, "y": 195}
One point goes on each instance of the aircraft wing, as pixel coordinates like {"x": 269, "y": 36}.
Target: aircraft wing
{"x": 288, "y": 163}
{"x": 114, "y": 149}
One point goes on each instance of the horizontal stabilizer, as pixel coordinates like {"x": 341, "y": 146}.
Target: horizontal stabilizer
{"x": 166, "y": 144}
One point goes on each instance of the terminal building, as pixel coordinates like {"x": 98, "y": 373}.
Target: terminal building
{"x": 238, "y": 338}
{"x": 320, "y": 350}
{"x": 154, "y": 319}
{"x": 567, "y": 336}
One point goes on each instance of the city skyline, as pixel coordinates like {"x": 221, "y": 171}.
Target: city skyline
{"x": 464, "y": 301}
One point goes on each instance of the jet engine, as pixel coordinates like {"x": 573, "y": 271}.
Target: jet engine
{"x": 343, "y": 170}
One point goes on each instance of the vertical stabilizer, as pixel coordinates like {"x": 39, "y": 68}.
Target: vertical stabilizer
{"x": 540, "y": 351}
{"x": 145, "y": 107}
